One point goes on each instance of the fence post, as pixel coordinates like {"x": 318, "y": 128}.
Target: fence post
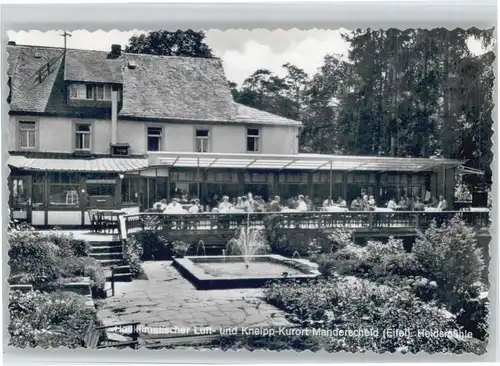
{"x": 113, "y": 281}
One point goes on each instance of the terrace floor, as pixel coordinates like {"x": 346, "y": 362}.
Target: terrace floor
{"x": 166, "y": 299}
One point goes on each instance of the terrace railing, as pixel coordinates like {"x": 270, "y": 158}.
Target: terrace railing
{"x": 295, "y": 220}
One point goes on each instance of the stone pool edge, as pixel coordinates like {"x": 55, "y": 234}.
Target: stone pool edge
{"x": 205, "y": 281}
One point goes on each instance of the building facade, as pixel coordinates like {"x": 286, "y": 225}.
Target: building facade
{"x": 94, "y": 129}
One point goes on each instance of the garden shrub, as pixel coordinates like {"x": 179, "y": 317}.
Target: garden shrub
{"x": 154, "y": 246}
{"x": 45, "y": 260}
{"x": 180, "y": 248}
{"x": 34, "y": 257}
{"x": 340, "y": 238}
{"x": 281, "y": 243}
{"x": 449, "y": 254}
{"x": 69, "y": 245}
{"x": 134, "y": 255}
{"x": 49, "y": 319}
{"x": 345, "y": 303}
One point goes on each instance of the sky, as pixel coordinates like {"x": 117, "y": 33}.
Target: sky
{"x": 242, "y": 51}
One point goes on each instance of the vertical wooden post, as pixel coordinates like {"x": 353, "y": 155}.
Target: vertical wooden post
{"x": 377, "y": 188}
{"x": 198, "y": 178}
{"x": 46, "y": 198}
{"x": 82, "y": 195}
{"x": 310, "y": 182}
{"x": 344, "y": 185}
{"x": 113, "y": 281}
{"x": 331, "y": 179}
{"x": 118, "y": 192}
{"x": 155, "y": 183}
{"x": 168, "y": 185}
{"x": 241, "y": 182}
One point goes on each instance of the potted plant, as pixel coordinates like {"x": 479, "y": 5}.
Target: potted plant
{"x": 179, "y": 248}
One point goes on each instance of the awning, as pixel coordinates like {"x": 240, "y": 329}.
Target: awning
{"x": 297, "y": 162}
{"x": 469, "y": 170}
{"x": 110, "y": 165}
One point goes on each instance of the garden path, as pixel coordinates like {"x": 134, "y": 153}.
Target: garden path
{"x": 167, "y": 300}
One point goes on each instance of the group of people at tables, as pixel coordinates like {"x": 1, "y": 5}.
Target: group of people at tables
{"x": 250, "y": 203}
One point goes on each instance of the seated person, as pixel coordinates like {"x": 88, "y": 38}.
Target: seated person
{"x": 174, "y": 207}
{"x": 194, "y": 208}
{"x": 301, "y": 204}
{"x": 371, "y": 201}
{"x": 418, "y": 205}
{"x": 392, "y": 204}
{"x": 328, "y": 202}
{"x": 225, "y": 206}
{"x": 341, "y": 202}
{"x": 433, "y": 202}
{"x": 356, "y": 204}
{"x": 443, "y": 204}
{"x": 275, "y": 205}
{"x": 403, "y": 204}
{"x": 245, "y": 205}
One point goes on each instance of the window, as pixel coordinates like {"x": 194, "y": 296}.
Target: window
{"x": 130, "y": 192}
{"x": 73, "y": 91}
{"x": 101, "y": 189}
{"x": 63, "y": 189}
{"x": 202, "y": 138}
{"x": 90, "y": 91}
{"x": 103, "y": 92}
{"x": 27, "y": 135}
{"x": 253, "y": 136}
{"x": 154, "y": 138}
{"x": 83, "y": 137}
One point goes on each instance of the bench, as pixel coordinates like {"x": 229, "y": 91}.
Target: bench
{"x": 94, "y": 335}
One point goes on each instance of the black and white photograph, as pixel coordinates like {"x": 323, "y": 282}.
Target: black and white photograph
{"x": 250, "y": 189}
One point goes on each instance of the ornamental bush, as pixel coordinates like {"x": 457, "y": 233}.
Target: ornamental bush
{"x": 134, "y": 255}
{"x": 450, "y": 255}
{"x": 153, "y": 245}
{"x": 49, "y": 319}
{"x": 45, "y": 260}
{"x": 350, "y": 303}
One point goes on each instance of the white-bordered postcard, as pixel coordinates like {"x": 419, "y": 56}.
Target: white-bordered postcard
{"x": 304, "y": 189}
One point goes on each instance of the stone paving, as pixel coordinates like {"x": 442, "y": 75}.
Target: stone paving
{"x": 166, "y": 299}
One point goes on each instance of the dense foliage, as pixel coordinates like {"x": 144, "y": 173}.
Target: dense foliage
{"x": 413, "y": 92}
{"x": 166, "y": 43}
{"x": 450, "y": 255}
{"x": 49, "y": 319}
{"x": 350, "y": 303}
{"x": 48, "y": 260}
{"x": 382, "y": 286}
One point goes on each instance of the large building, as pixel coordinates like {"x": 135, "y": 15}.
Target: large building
{"x": 95, "y": 129}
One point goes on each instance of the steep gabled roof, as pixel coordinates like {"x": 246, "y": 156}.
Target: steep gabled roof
{"x": 92, "y": 66}
{"x": 164, "y": 88}
{"x": 183, "y": 88}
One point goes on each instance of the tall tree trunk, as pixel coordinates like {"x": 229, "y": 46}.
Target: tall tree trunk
{"x": 446, "y": 131}
{"x": 394, "y": 117}
{"x": 425, "y": 126}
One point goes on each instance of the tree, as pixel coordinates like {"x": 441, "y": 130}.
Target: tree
{"x": 179, "y": 43}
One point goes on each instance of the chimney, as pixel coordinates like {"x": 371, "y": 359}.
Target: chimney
{"x": 116, "y": 49}
{"x": 11, "y": 43}
{"x": 114, "y": 113}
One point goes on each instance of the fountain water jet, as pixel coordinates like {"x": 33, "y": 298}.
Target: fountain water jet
{"x": 249, "y": 243}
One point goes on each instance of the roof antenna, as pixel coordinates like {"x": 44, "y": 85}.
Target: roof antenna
{"x": 65, "y": 35}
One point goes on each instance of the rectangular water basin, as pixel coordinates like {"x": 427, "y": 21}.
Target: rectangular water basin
{"x": 222, "y": 272}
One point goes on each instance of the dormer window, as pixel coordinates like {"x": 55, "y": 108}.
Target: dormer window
{"x": 103, "y": 92}
{"x": 89, "y": 92}
{"x": 73, "y": 91}
{"x": 81, "y": 91}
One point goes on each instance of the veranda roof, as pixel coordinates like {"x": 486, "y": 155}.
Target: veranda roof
{"x": 298, "y": 162}
{"x": 109, "y": 165}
